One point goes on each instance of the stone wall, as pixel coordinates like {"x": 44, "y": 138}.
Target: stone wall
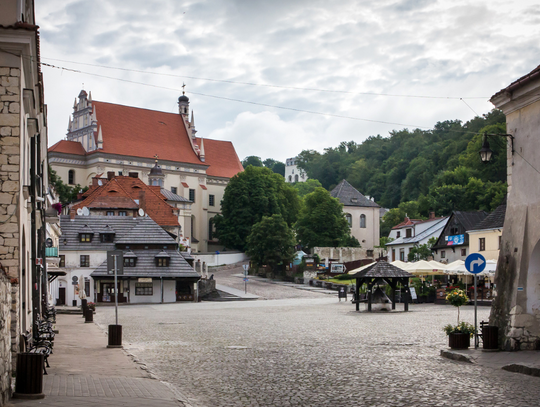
{"x": 5, "y": 338}
{"x": 346, "y": 254}
{"x": 10, "y": 107}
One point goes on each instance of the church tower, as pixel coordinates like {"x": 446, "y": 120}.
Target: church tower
{"x": 83, "y": 125}
{"x": 156, "y": 176}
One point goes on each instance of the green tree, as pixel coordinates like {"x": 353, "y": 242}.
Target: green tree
{"x": 252, "y": 160}
{"x": 321, "y": 221}
{"x": 271, "y": 242}
{"x": 250, "y": 195}
{"x": 307, "y": 187}
{"x": 66, "y": 194}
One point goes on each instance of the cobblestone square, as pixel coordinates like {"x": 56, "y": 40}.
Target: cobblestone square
{"x": 312, "y": 352}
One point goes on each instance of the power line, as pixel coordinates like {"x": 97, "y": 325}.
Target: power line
{"x": 268, "y": 85}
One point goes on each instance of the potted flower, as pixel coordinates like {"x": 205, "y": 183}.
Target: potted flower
{"x": 459, "y": 336}
{"x": 91, "y": 306}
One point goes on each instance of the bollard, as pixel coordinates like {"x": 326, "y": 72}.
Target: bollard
{"x": 115, "y": 336}
{"x": 29, "y": 383}
{"x": 490, "y": 337}
{"x": 88, "y": 315}
{"x": 84, "y": 306}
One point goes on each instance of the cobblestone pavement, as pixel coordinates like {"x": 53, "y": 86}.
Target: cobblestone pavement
{"x": 264, "y": 290}
{"x": 312, "y": 352}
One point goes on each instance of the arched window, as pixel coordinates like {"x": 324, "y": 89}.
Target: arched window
{"x": 211, "y": 229}
{"x": 296, "y": 178}
{"x": 349, "y": 219}
{"x": 290, "y": 178}
{"x": 71, "y": 177}
{"x": 362, "y": 221}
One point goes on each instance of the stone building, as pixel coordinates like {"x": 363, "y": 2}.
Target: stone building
{"x": 516, "y": 308}
{"x": 293, "y": 173}
{"x": 23, "y": 180}
{"x": 361, "y": 213}
{"x": 105, "y": 137}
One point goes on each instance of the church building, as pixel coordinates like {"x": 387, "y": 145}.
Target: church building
{"x": 106, "y": 138}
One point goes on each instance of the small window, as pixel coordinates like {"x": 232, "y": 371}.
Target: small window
{"x": 369, "y": 253}
{"x": 130, "y": 261}
{"x": 349, "y": 219}
{"x": 363, "y": 221}
{"x": 408, "y": 233}
{"x": 174, "y": 190}
{"x": 398, "y": 235}
{"x": 192, "y": 195}
{"x": 481, "y": 244}
{"x": 211, "y": 200}
{"x": 71, "y": 177}
{"x": 402, "y": 254}
{"x": 163, "y": 261}
{"x": 110, "y": 213}
{"x": 85, "y": 260}
{"x": 144, "y": 289}
{"x": 107, "y": 237}
{"x": 120, "y": 173}
{"x": 463, "y": 252}
{"x": 443, "y": 254}
{"x": 85, "y": 237}
{"x": 122, "y": 213}
{"x": 296, "y": 178}
{"x": 454, "y": 230}
{"x": 290, "y": 178}
{"x": 500, "y": 242}
{"x": 62, "y": 260}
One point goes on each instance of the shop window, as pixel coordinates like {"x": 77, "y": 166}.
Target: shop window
{"x": 85, "y": 260}
{"x": 144, "y": 289}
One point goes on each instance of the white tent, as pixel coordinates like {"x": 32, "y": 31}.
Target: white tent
{"x": 354, "y": 271}
{"x": 424, "y": 268}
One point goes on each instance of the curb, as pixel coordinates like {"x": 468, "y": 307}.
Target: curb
{"x": 459, "y": 357}
{"x": 516, "y": 368}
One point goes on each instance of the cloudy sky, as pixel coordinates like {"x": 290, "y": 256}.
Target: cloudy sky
{"x": 279, "y": 76}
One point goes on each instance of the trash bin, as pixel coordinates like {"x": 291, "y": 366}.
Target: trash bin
{"x": 29, "y": 383}
{"x": 490, "y": 337}
{"x": 115, "y": 336}
{"x": 88, "y": 315}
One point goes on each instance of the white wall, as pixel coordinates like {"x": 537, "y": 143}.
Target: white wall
{"x": 213, "y": 259}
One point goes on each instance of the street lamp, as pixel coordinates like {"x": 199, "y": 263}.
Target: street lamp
{"x": 486, "y": 152}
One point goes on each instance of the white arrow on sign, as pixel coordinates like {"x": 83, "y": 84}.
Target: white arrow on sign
{"x": 478, "y": 262}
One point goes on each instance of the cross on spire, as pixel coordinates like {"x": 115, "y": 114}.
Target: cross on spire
{"x": 183, "y": 88}
{"x": 156, "y": 157}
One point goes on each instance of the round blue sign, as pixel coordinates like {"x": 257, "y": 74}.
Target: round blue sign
{"x": 475, "y": 263}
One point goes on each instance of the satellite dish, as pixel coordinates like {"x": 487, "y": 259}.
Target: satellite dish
{"x": 85, "y": 211}
{"x": 141, "y": 212}
{"x": 79, "y": 212}
{"x": 99, "y": 182}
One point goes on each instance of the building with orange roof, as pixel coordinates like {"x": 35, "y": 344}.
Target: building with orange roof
{"x": 105, "y": 137}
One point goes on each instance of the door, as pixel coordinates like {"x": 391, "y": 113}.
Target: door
{"x": 108, "y": 293}
{"x": 61, "y": 296}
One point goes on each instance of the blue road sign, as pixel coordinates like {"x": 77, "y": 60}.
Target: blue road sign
{"x": 475, "y": 263}
{"x": 246, "y": 280}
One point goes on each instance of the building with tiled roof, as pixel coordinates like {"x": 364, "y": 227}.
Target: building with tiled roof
{"x": 362, "y": 214}
{"x": 129, "y": 196}
{"x": 453, "y": 242}
{"x": 105, "y": 137}
{"x": 486, "y": 236}
{"x": 154, "y": 271}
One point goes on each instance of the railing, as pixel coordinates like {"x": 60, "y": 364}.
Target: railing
{"x": 51, "y": 251}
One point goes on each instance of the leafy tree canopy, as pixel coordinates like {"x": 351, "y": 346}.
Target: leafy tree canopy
{"x": 66, "y": 194}
{"x": 250, "y": 195}
{"x": 252, "y": 160}
{"x": 321, "y": 221}
{"x": 271, "y": 242}
{"x": 306, "y": 187}
{"x": 276, "y": 166}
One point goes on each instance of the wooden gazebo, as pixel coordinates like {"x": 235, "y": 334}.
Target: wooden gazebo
{"x": 381, "y": 271}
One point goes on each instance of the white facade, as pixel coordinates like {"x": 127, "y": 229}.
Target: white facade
{"x": 293, "y": 173}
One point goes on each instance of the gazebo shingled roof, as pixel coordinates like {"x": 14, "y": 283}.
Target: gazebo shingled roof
{"x": 383, "y": 269}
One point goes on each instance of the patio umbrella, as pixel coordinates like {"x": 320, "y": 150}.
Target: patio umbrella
{"x": 354, "y": 271}
{"x": 423, "y": 268}
{"x": 82, "y": 293}
{"x": 401, "y": 264}
{"x": 456, "y": 268}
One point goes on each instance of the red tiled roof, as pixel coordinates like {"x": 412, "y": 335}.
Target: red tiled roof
{"x": 411, "y": 222}
{"x": 121, "y": 189}
{"x": 139, "y": 132}
{"x": 68, "y": 147}
{"x": 221, "y": 157}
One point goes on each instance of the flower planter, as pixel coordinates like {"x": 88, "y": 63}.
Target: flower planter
{"x": 459, "y": 341}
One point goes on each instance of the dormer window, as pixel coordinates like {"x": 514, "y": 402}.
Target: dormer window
{"x": 163, "y": 259}
{"x": 107, "y": 237}
{"x": 398, "y": 234}
{"x": 85, "y": 237}
{"x": 408, "y": 233}
{"x": 354, "y": 200}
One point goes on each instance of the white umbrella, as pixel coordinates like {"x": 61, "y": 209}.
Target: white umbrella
{"x": 401, "y": 264}
{"x": 82, "y": 293}
{"x": 354, "y": 271}
{"x": 423, "y": 268}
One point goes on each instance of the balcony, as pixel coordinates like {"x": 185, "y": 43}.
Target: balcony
{"x": 51, "y": 252}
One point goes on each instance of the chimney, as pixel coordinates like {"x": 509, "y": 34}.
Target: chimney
{"x": 142, "y": 200}
{"x": 133, "y": 174}
{"x": 432, "y": 215}
{"x": 110, "y": 175}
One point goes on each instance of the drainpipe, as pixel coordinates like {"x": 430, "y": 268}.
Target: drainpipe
{"x": 161, "y": 289}
{"x": 35, "y": 279}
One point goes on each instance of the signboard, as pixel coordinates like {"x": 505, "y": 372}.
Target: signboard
{"x": 74, "y": 280}
{"x": 475, "y": 263}
{"x": 455, "y": 240}
{"x": 144, "y": 280}
{"x": 245, "y": 267}
{"x": 246, "y": 280}
{"x": 39, "y": 261}
{"x": 337, "y": 268}
{"x": 413, "y": 293}
{"x": 119, "y": 261}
